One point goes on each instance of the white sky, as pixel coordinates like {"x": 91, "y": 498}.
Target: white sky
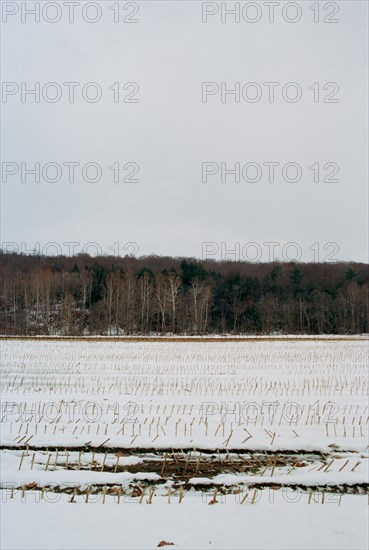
{"x": 170, "y": 132}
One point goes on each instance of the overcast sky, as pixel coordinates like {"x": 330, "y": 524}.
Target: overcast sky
{"x": 171, "y": 131}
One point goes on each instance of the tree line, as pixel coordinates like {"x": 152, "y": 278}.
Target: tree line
{"x": 107, "y": 295}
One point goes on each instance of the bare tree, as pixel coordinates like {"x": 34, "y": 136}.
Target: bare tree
{"x": 162, "y": 295}
{"x": 174, "y": 287}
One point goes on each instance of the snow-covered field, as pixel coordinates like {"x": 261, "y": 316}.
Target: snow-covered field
{"x": 279, "y": 524}
{"x": 141, "y": 436}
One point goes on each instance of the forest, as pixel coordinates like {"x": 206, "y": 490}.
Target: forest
{"x": 107, "y": 295}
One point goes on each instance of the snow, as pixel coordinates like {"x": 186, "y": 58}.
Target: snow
{"x": 12, "y": 475}
{"x": 228, "y": 398}
{"x": 243, "y": 395}
{"x": 338, "y": 473}
{"x": 275, "y": 521}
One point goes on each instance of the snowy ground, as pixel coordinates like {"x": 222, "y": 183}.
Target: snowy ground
{"x": 277, "y": 431}
{"x": 274, "y": 521}
{"x": 258, "y": 395}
